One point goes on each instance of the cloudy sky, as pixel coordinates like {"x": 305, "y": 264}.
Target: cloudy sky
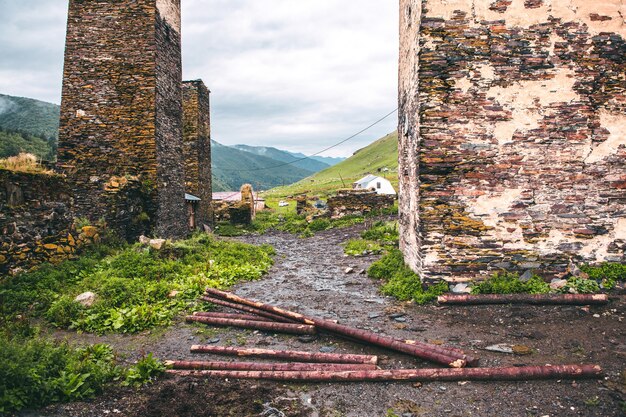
{"x": 295, "y": 74}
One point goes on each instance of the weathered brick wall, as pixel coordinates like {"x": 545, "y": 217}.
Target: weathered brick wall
{"x": 512, "y": 128}
{"x": 197, "y": 146}
{"x": 36, "y": 221}
{"x": 121, "y": 109}
{"x": 358, "y": 203}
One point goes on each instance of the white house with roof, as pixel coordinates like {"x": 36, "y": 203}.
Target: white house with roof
{"x": 372, "y": 182}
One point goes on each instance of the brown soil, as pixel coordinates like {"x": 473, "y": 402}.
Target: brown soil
{"x": 309, "y": 277}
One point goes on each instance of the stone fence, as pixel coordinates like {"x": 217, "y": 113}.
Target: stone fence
{"x": 358, "y": 202}
{"x": 36, "y": 222}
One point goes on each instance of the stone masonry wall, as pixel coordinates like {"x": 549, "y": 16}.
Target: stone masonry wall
{"x": 121, "y": 109}
{"x": 197, "y": 147}
{"x": 512, "y": 121}
{"x": 352, "y": 202}
{"x": 36, "y": 222}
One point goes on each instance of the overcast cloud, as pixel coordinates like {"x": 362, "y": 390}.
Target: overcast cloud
{"x": 295, "y": 74}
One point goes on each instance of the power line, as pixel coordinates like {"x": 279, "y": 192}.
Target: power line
{"x": 320, "y": 152}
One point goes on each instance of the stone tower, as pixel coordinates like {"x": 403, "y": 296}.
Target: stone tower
{"x": 120, "y": 138}
{"x": 197, "y": 146}
{"x": 512, "y": 135}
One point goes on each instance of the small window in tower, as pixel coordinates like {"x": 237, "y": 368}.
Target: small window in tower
{"x": 378, "y": 185}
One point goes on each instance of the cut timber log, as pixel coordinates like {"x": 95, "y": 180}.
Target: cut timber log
{"x": 576, "y": 299}
{"x": 256, "y": 325}
{"x": 220, "y": 315}
{"x": 449, "y": 357}
{"x": 287, "y": 355}
{"x": 247, "y": 309}
{"x": 523, "y": 373}
{"x": 257, "y": 366}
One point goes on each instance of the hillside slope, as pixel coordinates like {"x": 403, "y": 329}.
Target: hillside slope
{"x": 284, "y": 156}
{"x": 29, "y": 116}
{"x": 233, "y": 167}
{"x": 381, "y": 154}
{"x": 28, "y": 125}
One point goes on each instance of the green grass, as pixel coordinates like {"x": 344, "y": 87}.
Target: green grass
{"x": 35, "y": 372}
{"x": 134, "y": 285}
{"x": 287, "y": 222}
{"x": 607, "y": 274}
{"x": 381, "y": 154}
{"x": 385, "y": 233}
{"x": 137, "y": 288}
{"x": 401, "y": 282}
{"x": 510, "y": 283}
{"x": 359, "y": 247}
{"x": 603, "y": 276}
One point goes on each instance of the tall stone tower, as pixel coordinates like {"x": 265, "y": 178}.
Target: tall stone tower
{"x": 197, "y": 147}
{"x": 512, "y": 135}
{"x": 120, "y": 139}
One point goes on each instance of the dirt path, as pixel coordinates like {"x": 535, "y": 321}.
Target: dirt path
{"x": 309, "y": 276}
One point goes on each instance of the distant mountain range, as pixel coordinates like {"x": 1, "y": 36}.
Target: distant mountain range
{"x": 28, "y": 125}
{"x": 378, "y": 158}
{"x": 311, "y": 164}
{"x": 233, "y": 167}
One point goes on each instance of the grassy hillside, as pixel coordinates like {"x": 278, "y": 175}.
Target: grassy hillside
{"x": 381, "y": 154}
{"x": 13, "y": 143}
{"x": 29, "y": 116}
{"x": 284, "y": 156}
{"x": 233, "y": 167}
{"x": 28, "y": 125}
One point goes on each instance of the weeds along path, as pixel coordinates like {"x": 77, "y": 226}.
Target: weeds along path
{"x": 309, "y": 276}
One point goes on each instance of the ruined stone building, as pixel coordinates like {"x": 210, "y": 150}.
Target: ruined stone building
{"x": 512, "y": 134}
{"x": 120, "y": 139}
{"x": 197, "y": 147}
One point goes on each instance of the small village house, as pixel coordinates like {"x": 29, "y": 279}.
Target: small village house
{"x": 372, "y": 182}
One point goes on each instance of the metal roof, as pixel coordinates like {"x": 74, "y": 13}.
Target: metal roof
{"x": 191, "y": 197}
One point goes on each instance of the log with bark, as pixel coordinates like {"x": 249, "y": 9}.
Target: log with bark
{"x": 449, "y": 357}
{"x": 571, "y": 299}
{"x": 292, "y": 328}
{"x": 523, "y": 373}
{"x": 247, "y": 309}
{"x": 235, "y": 316}
{"x": 263, "y": 366}
{"x": 287, "y": 355}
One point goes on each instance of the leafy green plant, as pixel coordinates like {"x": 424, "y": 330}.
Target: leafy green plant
{"x": 401, "y": 282}
{"x": 132, "y": 283}
{"x": 358, "y": 247}
{"x": 81, "y": 222}
{"x": 608, "y": 274}
{"x": 317, "y": 225}
{"x": 581, "y": 286}
{"x": 145, "y": 371}
{"x": 64, "y": 311}
{"x": 386, "y": 266}
{"x": 510, "y": 283}
{"x": 385, "y": 233}
{"x": 36, "y": 372}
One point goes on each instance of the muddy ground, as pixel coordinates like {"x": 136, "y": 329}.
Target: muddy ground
{"x": 309, "y": 276}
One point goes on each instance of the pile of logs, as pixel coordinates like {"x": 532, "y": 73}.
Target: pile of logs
{"x": 306, "y": 366}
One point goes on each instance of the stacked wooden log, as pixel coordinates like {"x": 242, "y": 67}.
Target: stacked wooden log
{"x": 307, "y": 366}
{"x": 540, "y": 299}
